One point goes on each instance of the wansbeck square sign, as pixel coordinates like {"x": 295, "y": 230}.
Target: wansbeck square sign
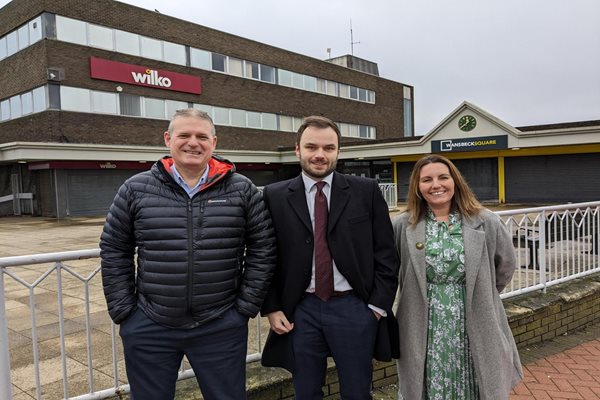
{"x": 469, "y": 144}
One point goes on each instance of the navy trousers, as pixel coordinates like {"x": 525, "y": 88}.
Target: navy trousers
{"x": 216, "y": 350}
{"x": 343, "y": 327}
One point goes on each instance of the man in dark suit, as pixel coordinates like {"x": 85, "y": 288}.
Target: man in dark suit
{"x": 337, "y": 271}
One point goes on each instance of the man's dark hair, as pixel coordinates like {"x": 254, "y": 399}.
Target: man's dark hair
{"x": 317, "y": 122}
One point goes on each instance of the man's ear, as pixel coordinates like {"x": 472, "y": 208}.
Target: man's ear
{"x": 167, "y": 137}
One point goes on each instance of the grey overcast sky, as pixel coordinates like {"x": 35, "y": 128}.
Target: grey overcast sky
{"x": 527, "y": 62}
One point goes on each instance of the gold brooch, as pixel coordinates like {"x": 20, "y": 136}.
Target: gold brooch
{"x": 420, "y": 246}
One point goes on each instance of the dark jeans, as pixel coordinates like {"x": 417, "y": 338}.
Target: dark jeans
{"x": 343, "y": 327}
{"x": 216, "y": 350}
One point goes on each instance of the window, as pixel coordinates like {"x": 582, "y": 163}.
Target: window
{"x": 174, "y": 53}
{"x": 332, "y": 88}
{"x": 235, "y": 67}
{"x": 252, "y": 70}
{"x": 127, "y": 43}
{"x": 353, "y": 92}
{"x": 344, "y": 91}
{"x": 70, "y": 30}
{"x": 104, "y": 103}
{"x": 27, "y": 103}
{"x": 205, "y": 108}
{"x": 100, "y": 37}
{"x": 344, "y": 130}
{"x": 363, "y": 131}
{"x": 238, "y": 117}
{"x": 154, "y": 108}
{"x": 371, "y": 96}
{"x": 310, "y": 83}
{"x": 269, "y": 121}
{"x": 297, "y": 123}
{"x": 253, "y": 119}
{"x": 353, "y": 130}
{"x": 130, "y": 105}
{"x": 35, "y": 30}
{"x": 173, "y": 105}
{"x": 286, "y": 123}
{"x": 297, "y": 80}
{"x": 23, "y": 33}
{"x": 200, "y": 59}
{"x": 3, "y": 51}
{"x": 267, "y": 73}
{"x": 218, "y": 62}
{"x": 12, "y": 43}
{"x": 5, "y": 110}
{"x": 221, "y": 115}
{"x": 39, "y": 99}
{"x": 321, "y": 86}
{"x": 362, "y": 94}
{"x": 54, "y": 97}
{"x": 151, "y": 48}
{"x": 75, "y": 99}
{"x": 408, "y": 118}
{"x": 284, "y": 77}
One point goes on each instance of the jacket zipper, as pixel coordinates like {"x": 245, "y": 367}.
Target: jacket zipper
{"x": 190, "y": 254}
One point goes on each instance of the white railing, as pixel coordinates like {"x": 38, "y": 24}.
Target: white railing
{"x": 553, "y": 244}
{"x": 390, "y": 194}
{"x": 58, "y": 290}
{"x": 65, "y": 304}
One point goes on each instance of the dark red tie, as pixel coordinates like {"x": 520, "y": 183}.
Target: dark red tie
{"x": 323, "y": 263}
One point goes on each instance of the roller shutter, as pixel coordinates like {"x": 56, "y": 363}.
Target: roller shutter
{"x": 91, "y": 192}
{"x": 553, "y": 179}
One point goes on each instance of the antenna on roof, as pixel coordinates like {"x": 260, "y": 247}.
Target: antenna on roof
{"x": 352, "y": 42}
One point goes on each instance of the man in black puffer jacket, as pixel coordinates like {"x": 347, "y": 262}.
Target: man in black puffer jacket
{"x": 205, "y": 257}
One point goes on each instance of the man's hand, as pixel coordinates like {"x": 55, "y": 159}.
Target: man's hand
{"x": 279, "y": 323}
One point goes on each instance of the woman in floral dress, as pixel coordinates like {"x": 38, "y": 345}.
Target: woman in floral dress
{"x": 456, "y": 256}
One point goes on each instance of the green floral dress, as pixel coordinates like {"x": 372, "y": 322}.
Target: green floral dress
{"x": 449, "y": 372}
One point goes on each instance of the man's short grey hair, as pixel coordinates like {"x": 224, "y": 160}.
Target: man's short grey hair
{"x": 192, "y": 113}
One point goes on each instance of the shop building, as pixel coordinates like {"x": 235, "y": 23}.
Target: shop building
{"x": 87, "y": 88}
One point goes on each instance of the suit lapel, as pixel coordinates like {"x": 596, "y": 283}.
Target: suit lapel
{"x": 474, "y": 240}
{"x": 340, "y": 194}
{"x": 416, "y": 236}
{"x": 297, "y": 199}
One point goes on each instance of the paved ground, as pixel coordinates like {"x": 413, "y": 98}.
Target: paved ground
{"x": 567, "y": 367}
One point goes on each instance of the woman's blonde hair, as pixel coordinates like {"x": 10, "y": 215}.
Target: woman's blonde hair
{"x": 464, "y": 200}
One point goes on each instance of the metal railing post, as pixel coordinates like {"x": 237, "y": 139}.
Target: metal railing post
{"x": 542, "y": 250}
{"x": 5, "y": 381}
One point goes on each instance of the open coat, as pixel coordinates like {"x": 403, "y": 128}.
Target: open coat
{"x": 489, "y": 264}
{"x": 361, "y": 242}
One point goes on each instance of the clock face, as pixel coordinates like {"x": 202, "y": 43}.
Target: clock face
{"x": 467, "y": 123}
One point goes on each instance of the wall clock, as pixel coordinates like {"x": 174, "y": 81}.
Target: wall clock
{"x": 467, "y": 123}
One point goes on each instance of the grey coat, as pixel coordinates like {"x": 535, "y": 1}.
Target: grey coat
{"x": 489, "y": 263}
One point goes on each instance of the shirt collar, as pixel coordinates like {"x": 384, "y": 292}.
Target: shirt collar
{"x": 179, "y": 179}
{"x": 310, "y": 182}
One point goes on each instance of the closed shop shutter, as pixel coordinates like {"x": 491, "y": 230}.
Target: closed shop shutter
{"x": 553, "y": 179}
{"x": 91, "y": 192}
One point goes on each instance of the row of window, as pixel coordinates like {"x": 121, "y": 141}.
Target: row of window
{"x": 94, "y": 101}
{"x": 22, "y": 37}
{"x": 87, "y": 34}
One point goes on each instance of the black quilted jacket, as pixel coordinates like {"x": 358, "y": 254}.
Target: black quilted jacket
{"x": 196, "y": 257}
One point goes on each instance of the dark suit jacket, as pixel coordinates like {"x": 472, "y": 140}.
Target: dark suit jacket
{"x": 361, "y": 242}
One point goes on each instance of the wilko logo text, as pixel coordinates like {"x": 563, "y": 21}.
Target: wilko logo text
{"x": 151, "y": 77}
{"x": 143, "y": 76}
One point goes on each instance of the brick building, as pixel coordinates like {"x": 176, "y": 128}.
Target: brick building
{"x": 87, "y": 88}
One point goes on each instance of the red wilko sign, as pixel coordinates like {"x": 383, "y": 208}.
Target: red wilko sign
{"x": 143, "y": 76}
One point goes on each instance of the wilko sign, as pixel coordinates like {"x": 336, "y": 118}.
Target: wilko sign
{"x": 151, "y": 77}
{"x": 143, "y": 76}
